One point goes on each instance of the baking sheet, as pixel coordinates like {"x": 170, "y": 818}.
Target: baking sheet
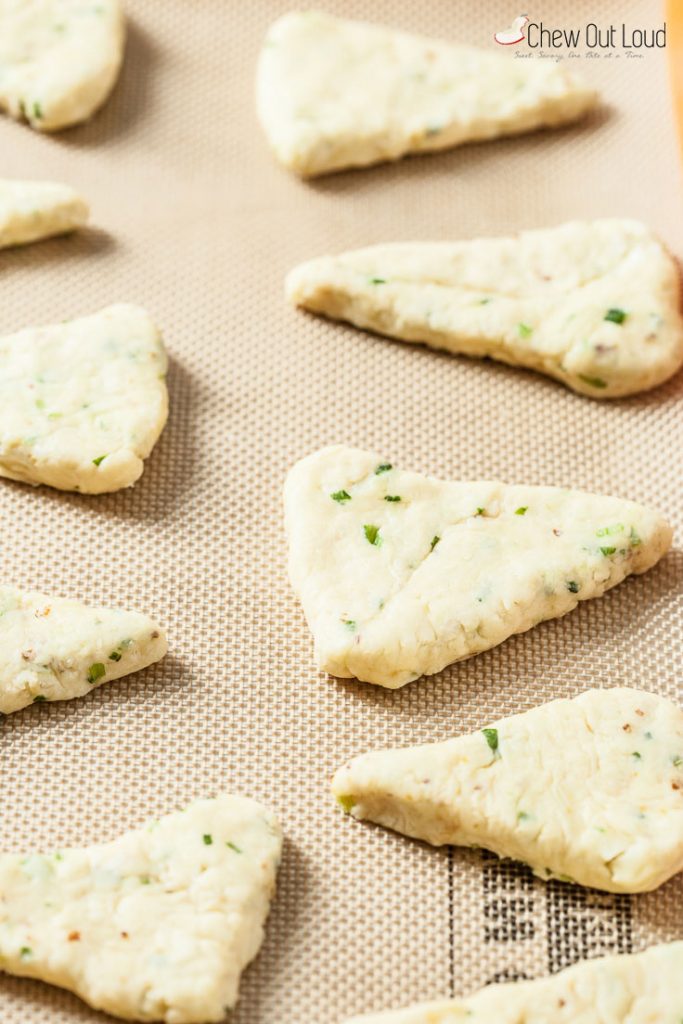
{"x": 192, "y": 219}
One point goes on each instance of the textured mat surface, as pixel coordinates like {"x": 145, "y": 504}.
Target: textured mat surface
{"x": 192, "y": 219}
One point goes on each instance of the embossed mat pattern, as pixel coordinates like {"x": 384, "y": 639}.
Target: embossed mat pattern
{"x": 192, "y": 219}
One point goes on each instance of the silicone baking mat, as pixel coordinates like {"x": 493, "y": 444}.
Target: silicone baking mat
{"x": 192, "y": 219}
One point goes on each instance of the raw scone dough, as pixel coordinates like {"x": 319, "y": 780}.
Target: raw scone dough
{"x": 52, "y": 648}
{"x": 30, "y": 210}
{"x": 588, "y": 790}
{"x": 641, "y": 989}
{"x": 154, "y": 926}
{"x": 333, "y": 93}
{"x": 83, "y": 402}
{"x": 401, "y": 574}
{"x": 59, "y": 59}
{"x": 594, "y": 304}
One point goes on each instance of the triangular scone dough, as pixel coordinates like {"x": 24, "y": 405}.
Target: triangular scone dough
{"x": 588, "y": 790}
{"x": 593, "y": 304}
{"x": 401, "y": 574}
{"x": 52, "y": 648}
{"x": 333, "y": 93}
{"x": 30, "y": 210}
{"x": 83, "y": 402}
{"x": 59, "y": 59}
{"x": 156, "y": 925}
{"x": 638, "y": 989}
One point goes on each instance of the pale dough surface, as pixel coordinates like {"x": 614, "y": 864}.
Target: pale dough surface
{"x": 156, "y": 925}
{"x": 59, "y": 59}
{"x": 52, "y": 648}
{"x": 30, "y": 210}
{"x": 593, "y": 304}
{"x": 645, "y": 988}
{"x": 82, "y": 403}
{"x": 333, "y": 93}
{"x": 588, "y": 790}
{"x": 401, "y": 574}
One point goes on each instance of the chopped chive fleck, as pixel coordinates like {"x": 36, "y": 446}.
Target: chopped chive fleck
{"x": 480, "y": 512}
{"x": 392, "y": 497}
{"x": 594, "y": 382}
{"x": 677, "y": 761}
{"x": 25, "y": 951}
{"x": 233, "y": 846}
{"x": 523, "y": 816}
{"x": 615, "y": 316}
{"x": 435, "y": 541}
{"x": 37, "y": 110}
{"x": 608, "y": 551}
{"x": 635, "y": 539}
{"x": 100, "y": 458}
{"x": 39, "y": 698}
{"x": 484, "y": 302}
{"x": 524, "y": 330}
{"x": 383, "y": 467}
{"x": 350, "y": 624}
{"x": 636, "y": 755}
{"x": 522, "y": 510}
{"x": 607, "y": 531}
{"x": 378, "y": 280}
{"x": 491, "y": 737}
{"x": 372, "y": 534}
{"x": 115, "y": 656}
{"x": 96, "y": 672}
{"x": 573, "y": 586}
{"x": 346, "y": 803}
{"x": 145, "y": 880}
{"x": 207, "y": 839}
{"x": 341, "y": 496}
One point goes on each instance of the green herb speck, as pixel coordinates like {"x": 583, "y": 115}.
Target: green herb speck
{"x": 594, "y": 382}
{"x": 491, "y": 737}
{"x": 480, "y": 512}
{"x": 372, "y": 534}
{"x": 25, "y": 951}
{"x": 341, "y": 496}
{"x": 350, "y": 624}
{"x": 346, "y": 803}
{"x": 573, "y": 586}
{"x": 37, "y": 110}
{"x": 378, "y": 280}
{"x": 435, "y": 541}
{"x": 634, "y": 538}
{"x": 607, "y": 531}
{"x": 96, "y": 672}
{"x": 615, "y": 316}
{"x": 524, "y": 330}
{"x": 233, "y": 846}
{"x": 522, "y": 510}
{"x": 637, "y": 755}
{"x": 608, "y": 551}
{"x": 39, "y": 698}
{"x": 392, "y": 497}
{"x": 383, "y": 467}
{"x": 115, "y": 656}
{"x": 677, "y": 761}
{"x": 207, "y": 839}
{"x": 100, "y": 458}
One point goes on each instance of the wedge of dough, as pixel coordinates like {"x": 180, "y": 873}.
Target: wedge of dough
{"x": 154, "y": 926}
{"x": 59, "y": 59}
{"x": 82, "y": 403}
{"x": 401, "y": 574}
{"x": 593, "y": 304}
{"x": 52, "y": 648}
{"x": 31, "y": 210}
{"x": 333, "y": 93}
{"x": 639, "y": 989}
{"x": 588, "y": 790}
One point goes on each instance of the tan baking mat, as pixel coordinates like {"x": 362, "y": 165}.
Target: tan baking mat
{"x": 193, "y": 220}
